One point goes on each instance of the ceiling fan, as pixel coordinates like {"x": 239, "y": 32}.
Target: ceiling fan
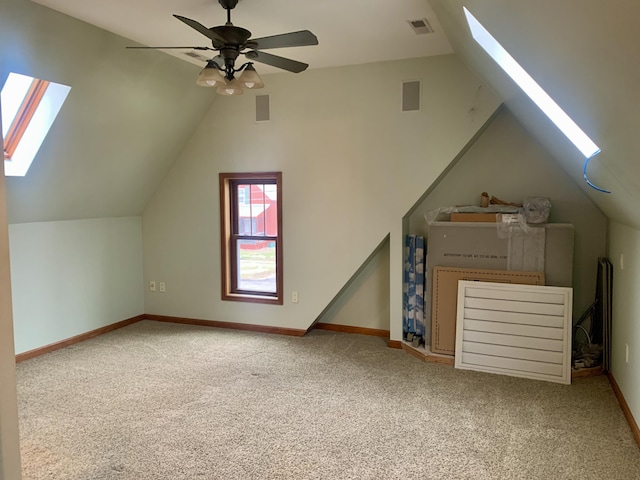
{"x": 230, "y": 42}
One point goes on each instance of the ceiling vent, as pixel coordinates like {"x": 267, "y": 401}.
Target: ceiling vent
{"x": 421, "y": 26}
{"x": 196, "y": 55}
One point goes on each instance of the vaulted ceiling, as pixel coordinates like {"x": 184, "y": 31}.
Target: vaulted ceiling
{"x": 582, "y": 52}
{"x": 131, "y": 112}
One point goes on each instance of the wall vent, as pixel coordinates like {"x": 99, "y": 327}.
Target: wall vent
{"x": 411, "y": 96}
{"x": 420, "y": 26}
{"x": 263, "y": 113}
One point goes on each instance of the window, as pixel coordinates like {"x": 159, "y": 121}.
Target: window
{"x": 29, "y": 107}
{"x": 535, "y": 92}
{"x": 519, "y": 75}
{"x": 251, "y": 237}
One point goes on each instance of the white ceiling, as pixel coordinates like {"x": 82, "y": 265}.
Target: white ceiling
{"x": 349, "y": 32}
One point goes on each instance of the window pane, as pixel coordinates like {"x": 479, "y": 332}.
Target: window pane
{"x": 257, "y": 209}
{"x": 244, "y": 209}
{"x": 271, "y": 210}
{"x": 256, "y": 265}
{"x": 13, "y": 93}
{"x": 243, "y": 194}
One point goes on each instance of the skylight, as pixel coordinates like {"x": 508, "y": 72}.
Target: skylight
{"x": 29, "y": 107}
{"x": 531, "y": 88}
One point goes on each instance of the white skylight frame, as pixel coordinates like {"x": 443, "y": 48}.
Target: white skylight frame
{"x": 550, "y": 108}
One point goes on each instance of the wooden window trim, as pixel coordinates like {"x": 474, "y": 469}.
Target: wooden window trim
{"x": 227, "y": 251}
{"x": 234, "y": 236}
{"x": 25, "y": 113}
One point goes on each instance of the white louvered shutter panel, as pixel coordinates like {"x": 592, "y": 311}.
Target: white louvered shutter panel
{"x": 518, "y": 330}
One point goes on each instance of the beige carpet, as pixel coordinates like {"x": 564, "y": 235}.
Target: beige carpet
{"x": 165, "y": 401}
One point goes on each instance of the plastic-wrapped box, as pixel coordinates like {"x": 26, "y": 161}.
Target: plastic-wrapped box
{"x": 536, "y": 209}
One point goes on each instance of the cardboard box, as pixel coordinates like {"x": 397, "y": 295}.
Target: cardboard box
{"x": 475, "y": 217}
{"x": 445, "y": 295}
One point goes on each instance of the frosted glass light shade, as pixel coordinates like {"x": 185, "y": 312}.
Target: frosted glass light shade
{"x": 231, "y": 88}
{"x": 210, "y": 76}
{"x": 250, "y": 78}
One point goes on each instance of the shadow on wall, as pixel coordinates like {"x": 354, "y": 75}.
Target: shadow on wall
{"x": 364, "y": 300}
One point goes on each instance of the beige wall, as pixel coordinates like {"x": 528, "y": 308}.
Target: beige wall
{"x": 74, "y": 276}
{"x": 624, "y": 240}
{"x": 509, "y": 163}
{"x": 9, "y": 438}
{"x": 353, "y": 164}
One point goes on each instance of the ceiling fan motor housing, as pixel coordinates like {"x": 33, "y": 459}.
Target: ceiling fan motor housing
{"x": 233, "y": 36}
{"x": 235, "y": 41}
{"x": 228, "y": 4}
{"x": 229, "y": 55}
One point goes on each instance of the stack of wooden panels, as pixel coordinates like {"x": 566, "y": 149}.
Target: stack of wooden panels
{"x": 445, "y": 294}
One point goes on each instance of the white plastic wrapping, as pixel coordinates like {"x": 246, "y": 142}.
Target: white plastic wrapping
{"x": 536, "y": 209}
{"x": 441, "y": 214}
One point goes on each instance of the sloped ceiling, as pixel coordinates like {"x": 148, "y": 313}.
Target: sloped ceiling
{"x": 585, "y": 54}
{"x": 120, "y": 129}
{"x": 582, "y": 52}
{"x": 130, "y": 112}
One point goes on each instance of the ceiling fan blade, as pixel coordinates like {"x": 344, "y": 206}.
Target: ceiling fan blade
{"x": 207, "y": 32}
{"x": 187, "y": 48}
{"x": 302, "y": 38}
{"x": 276, "y": 61}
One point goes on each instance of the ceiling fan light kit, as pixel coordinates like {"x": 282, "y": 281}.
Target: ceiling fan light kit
{"x": 250, "y": 78}
{"x": 210, "y": 76}
{"x": 230, "y": 42}
{"x": 231, "y": 88}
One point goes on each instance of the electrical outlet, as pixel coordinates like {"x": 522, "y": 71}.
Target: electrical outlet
{"x": 294, "y": 297}
{"x": 626, "y": 352}
{"x": 152, "y": 286}
{"x": 163, "y": 287}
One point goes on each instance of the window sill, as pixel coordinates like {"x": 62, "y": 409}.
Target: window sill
{"x": 241, "y": 297}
